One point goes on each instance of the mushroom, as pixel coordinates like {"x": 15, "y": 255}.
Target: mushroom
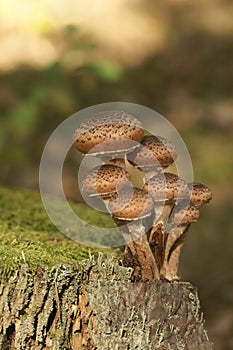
{"x": 105, "y": 181}
{"x": 199, "y": 195}
{"x": 154, "y": 154}
{"x": 108, "y": 135}
{"x": 181, "y": 219}
{"x": 165, "y": 189}
{"x": 129, "y": 209}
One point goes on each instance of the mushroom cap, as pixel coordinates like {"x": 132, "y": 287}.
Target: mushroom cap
{"x": 155, "y": 151}
{"x": 166, "y": 187}
{"x": 183, "y": 215}
{"x": 105, "y": 180}
{"x": 117, "y": 162}
{"x": 110, "y": 132}
{"x": 131, "y": 204}
{"x": 199, "y": 194}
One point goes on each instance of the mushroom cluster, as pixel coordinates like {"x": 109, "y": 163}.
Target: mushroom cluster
{"x": 153, "y": 218}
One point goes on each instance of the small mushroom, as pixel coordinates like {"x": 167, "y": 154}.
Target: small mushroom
{"x": 108, "y": 134}
{"x": 105, "y": 180}
{"x": 181, "y": 218}
{"x": 165, "y": 189}
{"x": 199, "y": 195}
{"x": 154, "y": 154}
{"x": 129, "y": 209}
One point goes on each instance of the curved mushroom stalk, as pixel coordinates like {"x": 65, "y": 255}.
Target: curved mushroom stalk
{"x": 182, "y": 218}
{"x": 165, "y": 189}
{"x": 157, "y": 232}
{"x": 171, "y": 272}
{"x": 137, "y": 242}
{"x": 172, "y": 252}
{"x": 129, "y": 211}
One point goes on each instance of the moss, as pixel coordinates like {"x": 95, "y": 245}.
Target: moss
{"x": 29, "y": 237}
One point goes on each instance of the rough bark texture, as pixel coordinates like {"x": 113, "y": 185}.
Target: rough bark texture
{"x": 97, "y": 308}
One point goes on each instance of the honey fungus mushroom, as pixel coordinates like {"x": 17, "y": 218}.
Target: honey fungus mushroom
{"x": 108, "y": 134}
{"x": 129, "y": 208}
{"x": 183, "y": 217}
{"x": 199, "y": 194}
{"x": 180, "y": 221}
{"x": 153, "y": 155}
{"x": 105, "y": 180}
{"x": 165, "y": 189}
{"x": 115, "y": 136}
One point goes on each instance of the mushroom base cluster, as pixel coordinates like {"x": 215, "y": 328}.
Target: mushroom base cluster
{"x": 154, "y": 218}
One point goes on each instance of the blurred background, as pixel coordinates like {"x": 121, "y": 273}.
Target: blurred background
{"x": 173, "y": 56}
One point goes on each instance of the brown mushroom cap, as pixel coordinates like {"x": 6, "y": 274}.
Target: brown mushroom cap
{"x": 184, "y": 215}
{"x": 199, "y": 194}
{"x": 129, "y": 206}
{"x": 117, "y": 162}
{"x": 166, "y": 187}
{"x": 108, "y": 132}
{"x": 105, "y": 180}
{"x": 155, "y": 151}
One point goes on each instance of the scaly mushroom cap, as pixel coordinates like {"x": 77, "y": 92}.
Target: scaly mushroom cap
{"x": 117, "y": 162}
{"x": 105, "y": 180}
{"x": 200, "y": 194}
{"x": 184, "y": 215}
{"x": 131, "y": 204}
{"x": 108, "y": 132}
{"x": 166, "y": 187}
{"x": 155, "y": 151}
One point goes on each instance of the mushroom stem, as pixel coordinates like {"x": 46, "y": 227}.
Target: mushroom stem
{"x": 156, "y": 239}
{"x": 171, "y": 255}
{"x": 129, "y": 256}
{"x": 157, "y": 233}
{"x": 148, "y": 174}
{"x": 138, "y": 245}
{"x": 182, "y": 218}
{"x": 149, "y": 270}
{"x": 174, "y": 256}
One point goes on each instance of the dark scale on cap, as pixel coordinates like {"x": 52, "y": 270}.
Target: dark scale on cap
{"x": 106, "y": 127}
{"x": 166, "y": 186}
{"x": 105, "y": 180}
{"x": 131, "y": 204}
{"x": 184, "y": 215}
{"x": 199, "y": 194}
{"x": 154, "y": 151}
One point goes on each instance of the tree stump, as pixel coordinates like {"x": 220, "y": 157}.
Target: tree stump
{"x": 98, "y": 308}
{"x": 58, "y": 295}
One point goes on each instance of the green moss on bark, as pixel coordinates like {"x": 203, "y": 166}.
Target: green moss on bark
{"x": 27, "y": 236}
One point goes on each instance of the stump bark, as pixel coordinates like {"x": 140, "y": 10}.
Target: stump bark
{"x": 97, "y": 308}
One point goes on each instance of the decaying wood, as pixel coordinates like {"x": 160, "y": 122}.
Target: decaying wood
{"x": 97, "y": 308}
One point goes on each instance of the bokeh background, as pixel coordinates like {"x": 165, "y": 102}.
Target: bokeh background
{"x": 174, "y": 56}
